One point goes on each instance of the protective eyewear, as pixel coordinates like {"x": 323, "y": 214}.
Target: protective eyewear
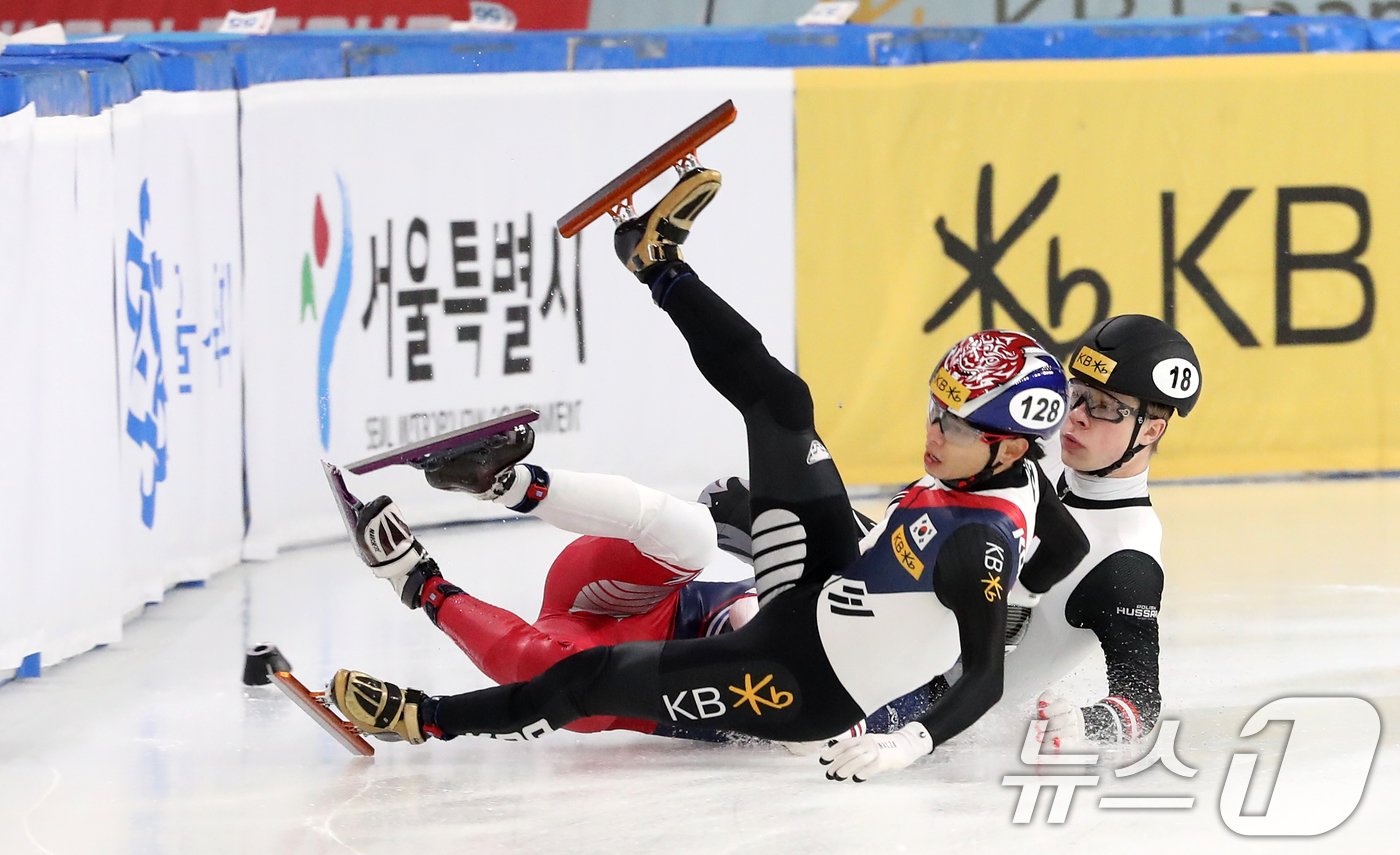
{"x": 955, "y": 429}
{"x": 1099, "y": 404}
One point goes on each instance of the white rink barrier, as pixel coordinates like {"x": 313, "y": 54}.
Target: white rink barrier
{"x": 201, "y": 304}
{"x": 404, "y": 277}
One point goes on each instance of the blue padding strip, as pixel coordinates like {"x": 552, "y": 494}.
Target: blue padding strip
{"x": 457, "y": 53}
{"x": 1136, "y": 39}
{"x": 781, "y": 47}
{"x": 99, "y": 83}
{"x": 29, "y": 666}
{"x": 82, "y": 78}
{"x": 1385, "y": 35}
{"x": 54, "y": 90}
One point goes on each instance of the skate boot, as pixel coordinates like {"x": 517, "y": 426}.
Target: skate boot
{"x": 486, "y": 469}
{"x": 392, "y": 551}
{"x": 380, "y": 709}
{"x": 655, "y": 237}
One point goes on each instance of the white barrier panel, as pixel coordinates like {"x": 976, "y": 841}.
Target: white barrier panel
{"x": 175, "y": 230}
{"x": 20, "y": 585}
{"x": 76, "y": 444}
{"x": 404, "y": 277}
{"x": 58, "y": 339}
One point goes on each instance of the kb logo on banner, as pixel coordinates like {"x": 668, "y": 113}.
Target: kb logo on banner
{"x": 980, "y": 256}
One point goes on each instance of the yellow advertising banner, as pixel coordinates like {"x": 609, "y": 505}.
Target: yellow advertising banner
{"x": 1251, "y": 201}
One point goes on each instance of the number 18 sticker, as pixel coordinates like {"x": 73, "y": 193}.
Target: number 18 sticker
{"x": 1037, "y": 408}
{"x": 1176, "y": 377}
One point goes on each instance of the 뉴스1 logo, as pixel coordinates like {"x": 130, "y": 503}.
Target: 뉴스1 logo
{"x": 1093, "y": 364}
{"x": 1299, "y": 803}
{"x": 905, "y": 555}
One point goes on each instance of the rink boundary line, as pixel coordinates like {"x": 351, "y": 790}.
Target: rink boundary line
{"x": 8, "y": 676}
{"x": 880, "y": 492}
{"x": 1278, "y": 478}
{"x": 343, "y": 538}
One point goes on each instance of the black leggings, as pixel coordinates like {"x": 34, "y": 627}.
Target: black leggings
{"x": 771, "y": 678}
{"x": 802, "y": 524}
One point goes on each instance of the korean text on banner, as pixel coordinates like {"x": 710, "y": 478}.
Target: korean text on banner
{"x": 406, "y": 278}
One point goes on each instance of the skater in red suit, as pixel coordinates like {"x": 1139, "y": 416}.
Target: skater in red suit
{"x": 630, "y": 577}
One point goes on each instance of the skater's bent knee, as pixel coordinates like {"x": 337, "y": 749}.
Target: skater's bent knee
{"x": 789, "y": 402}
{"x": 677, "y": 532}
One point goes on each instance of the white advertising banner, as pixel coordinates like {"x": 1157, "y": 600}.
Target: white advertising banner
{"x": 404, "y": 278}
{"x": 20, "y": 587}
{"x": 75, "y": 443}
{"x": 179, "y": 338}
{"x": 58, "y": 447}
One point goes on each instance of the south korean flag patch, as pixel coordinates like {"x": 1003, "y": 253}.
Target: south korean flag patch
{"x": 922, "y": 531}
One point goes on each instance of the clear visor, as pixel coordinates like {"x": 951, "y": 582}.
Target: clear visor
{"x": 955, "y": 429}
{"x": 1099, "y": 404}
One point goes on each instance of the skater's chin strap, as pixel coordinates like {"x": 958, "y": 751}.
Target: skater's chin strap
{"x": 984, "y": 474}
{"x": 1130, "y": 453}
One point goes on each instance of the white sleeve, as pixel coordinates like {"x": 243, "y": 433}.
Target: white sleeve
{"x": 874, "y": 535}
{"x": 660, "y": 525}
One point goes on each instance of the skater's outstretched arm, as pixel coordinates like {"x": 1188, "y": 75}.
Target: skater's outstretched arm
{"x": 968, "y": 569}
{"x": 968, "y": 573}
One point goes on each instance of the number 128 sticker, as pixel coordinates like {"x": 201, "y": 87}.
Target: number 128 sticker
{"x": 1037, "y": 408}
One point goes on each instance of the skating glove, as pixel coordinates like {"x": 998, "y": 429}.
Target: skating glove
{"x": 391, "y": 550}
{"x": 864, "y": 757}
{"x": 1059, "y": 725}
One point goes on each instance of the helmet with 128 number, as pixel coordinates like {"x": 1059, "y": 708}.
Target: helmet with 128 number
{"x": 1002, "y": 382}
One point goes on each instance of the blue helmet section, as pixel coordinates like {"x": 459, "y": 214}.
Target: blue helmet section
{"x": 1002, "y": 382}
{"x": 1031, "y": 405}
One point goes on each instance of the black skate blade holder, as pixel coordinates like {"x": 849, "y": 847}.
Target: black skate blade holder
{"x": 615, "y": 197}
{"x": 434, "y": 451}
{"x": 260, "y": 662}
{"x": 424, "y": 454}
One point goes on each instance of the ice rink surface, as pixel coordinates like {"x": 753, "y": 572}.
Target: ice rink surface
{"x": 154, "y": 746}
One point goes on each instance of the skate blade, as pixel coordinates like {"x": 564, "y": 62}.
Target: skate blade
{"x": 315, "y": 705}
{"x": 436, "y": 445}
{"x": 618, "y": 192}
{"x": 345, "y": 500}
